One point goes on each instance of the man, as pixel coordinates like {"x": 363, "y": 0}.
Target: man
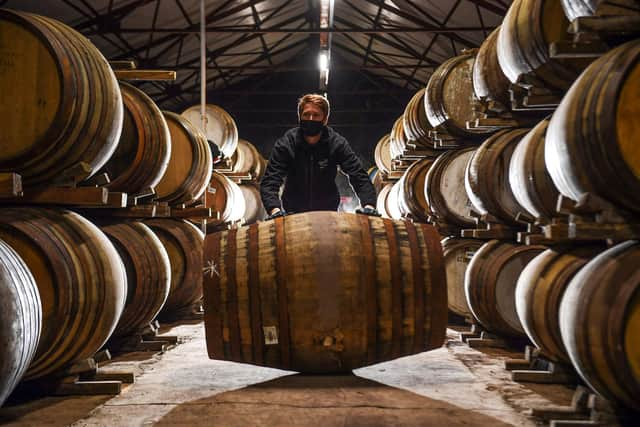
{"x": 307, "y": 156}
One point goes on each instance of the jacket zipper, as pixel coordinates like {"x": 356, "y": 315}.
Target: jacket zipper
{"x": 311, "y": 181}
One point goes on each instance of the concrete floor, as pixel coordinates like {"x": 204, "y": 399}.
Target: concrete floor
{"x": 451, "y": 386}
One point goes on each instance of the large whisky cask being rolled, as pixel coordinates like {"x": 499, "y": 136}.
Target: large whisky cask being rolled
{"x": 324, "y": 292}
{"x": 490, "y": 285}
{"x": 20, "y": 319}
{"x": 80, "y": 277}
{"x": 61, "y": 108}
{"x": 600, "y": 320}
{"x": 593, "y": 140}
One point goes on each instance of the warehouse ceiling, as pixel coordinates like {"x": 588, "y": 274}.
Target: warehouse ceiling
{"x": 263, "y": 54}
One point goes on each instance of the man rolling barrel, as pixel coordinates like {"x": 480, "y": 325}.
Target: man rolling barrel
{"x": 306, "y": 158}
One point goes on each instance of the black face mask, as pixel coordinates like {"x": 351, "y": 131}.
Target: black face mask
{"x": 311, "y": 127}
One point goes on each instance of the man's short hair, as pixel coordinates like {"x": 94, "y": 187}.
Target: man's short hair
{"x": 317, "y": 100}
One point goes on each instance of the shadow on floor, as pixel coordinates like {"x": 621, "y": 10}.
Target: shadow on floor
{"x": 303, "y": 400}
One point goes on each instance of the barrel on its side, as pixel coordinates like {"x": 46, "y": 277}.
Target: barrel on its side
{"x": 382, "y": 154}
{"x": 20, "y": 319}
{"x": 592, "y": 143}
{"x": 539, "y": 291}
{"x": 600, "y": 320}
{"x": 445, "y": 191}
{"x": 148, "y": 274}
{"x": 489, "y": 82}
{"x": 190, "y": 164}
{"x": 254, "y": 209}
{"x": 144, "y": 148}
{"x": 381, "y": 202}
{"x": 576, "y": 8}
{"x": 458, "y": 253}
{"x": 220, "y": 128}
{"x": 415, "y": 124}
{"x": 397, "y": 140}
{"x": 490, "y": 285}
{"x": 80, "y": 277}
{"x": 248, "y": 160}
{"x": 289, "y": 294}
{"x": 225, "y": 197}
{"x": 61, "y": 108}
{"x": 183, "y": 243}
{"x": 411, "y": 198}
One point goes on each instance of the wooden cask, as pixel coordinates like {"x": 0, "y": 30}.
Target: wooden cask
{"x": 449, "y": 98}
{"x": 375, "y": 176}
{"x": 490, "y": 285}
{"x": 248, "y": 160}
{"x": 487, "y": 177}
{"x": 190, "y": 164}
{"x": 411, "y": 198}
{"x": 61, "y": 109}
{"x": 80, "y": 277}
{"x": 20, "y": 319}
{"x": 381, "y": 202}
{"x": 254, "y": 209}
{"x": 458, "y": 253}
{"x": 183, "y": 242}
{"x": 225, "y": 197}
{"x": 291, "y": 294}
{"x": 382, "y": 154}
{"x": 489, "y": 82}
{"x": 528, "y": 30}
{"x": 600, "y": 320}
{"x": 416, "y": 125}
{"x": 529, "y": 178}
{"x": 397, "y": 140}
{"x": 593, "y": 140}
{"x": 393, "y": 200}
{"x": 539, "y": 292}
{"x": 220, "y": 127}
{"x": 445, "y": 191}
{"x": 577, "y": 8}
{"x": 144, "y": 148}
{"x": 148, "y": 274}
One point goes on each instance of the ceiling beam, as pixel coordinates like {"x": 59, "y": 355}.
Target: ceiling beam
{"x": 253, "y": 30}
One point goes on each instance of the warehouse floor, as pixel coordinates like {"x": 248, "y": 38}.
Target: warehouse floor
{"x": 451, "y": 386}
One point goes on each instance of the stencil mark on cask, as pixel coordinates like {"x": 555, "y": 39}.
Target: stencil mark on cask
{"x": 270, "y": 335}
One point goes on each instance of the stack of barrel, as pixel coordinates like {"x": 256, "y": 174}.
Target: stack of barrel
{"x": 577, "y": 301}
{"x": 70, "y": 283}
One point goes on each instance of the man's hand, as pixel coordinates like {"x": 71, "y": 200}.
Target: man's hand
{"x": 368, "y": 210}
{"x": 276, "y": 213}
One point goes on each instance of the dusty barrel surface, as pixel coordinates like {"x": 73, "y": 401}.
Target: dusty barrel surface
{"x": 529, "y": 178}
{"x": 249, "y": 160}
{"x": 382, "y": 154}
{"x": 144, "y": 148}
{"x": 220, "y": 127}
{"x": 61, "y": 108}
{"x": 80, "y": 277}
{"x": 489, "y": 82}
{"x": 490, "y": 285}
{"x": 148, "y": 273}
{"x": 20, "y": 319}
{"x": 449, "y": 98}
{"x": 487, "y": 177}
{"x": 412, "y": 202}
{"x": 190, "y": 163}
{"x": 600, "y": 320}
{"x": 539, "y": 292}
{"x": 226, "y": 197}
{"x": 593, "y": 139}
{"x": 457, "y": 255}
{"x": 183, "y": 243}
{"x": 289, "y": 294}
{"x": 528, "y": 29}
{"x": 445, "y": 191}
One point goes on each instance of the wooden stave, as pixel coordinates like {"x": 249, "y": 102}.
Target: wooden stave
{"x": 539, "y": 292}
{"x": 77, "y": 253}
{"x": 480, "y": 286}
{"x": 415, "y": 124}
{"x": 154, "y": 145}
{"x": 523, "y": 44}
{"x": 64, "y": 150}
{"x": 305, "y": 358}
{"x": 200, "y": 173}
{"x": 254, "y": 209}
{"x": 582, "y": 139}
{"x": 481, "y": 186}
{"x": 225, "y": 197}
{"x": 186, "y": 290}
{"x": 20, "y": 319}
{"x": 392, "y": 203}
{"x": 230, "y": 135}
{"x": 434, "y": 101}
{"x": 529, "y": 178}
{"x": 435, "y": 197}
{"x": 456, "y": 299}
{"x": 397, "y": 140}
{"x": 380, "y": 155}
{"x": 489, "y": 82}
{"x": 599, "y": 353}
{"x": 411, "y": 192}
{"x": 147, "y": 262}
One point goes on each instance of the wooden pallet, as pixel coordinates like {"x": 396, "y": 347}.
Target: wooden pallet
{"x": 488, "y": 228}
{"x": 10, "y": 185}
{"x": 533, "y": 367}
{"x": 147, "y": 339}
